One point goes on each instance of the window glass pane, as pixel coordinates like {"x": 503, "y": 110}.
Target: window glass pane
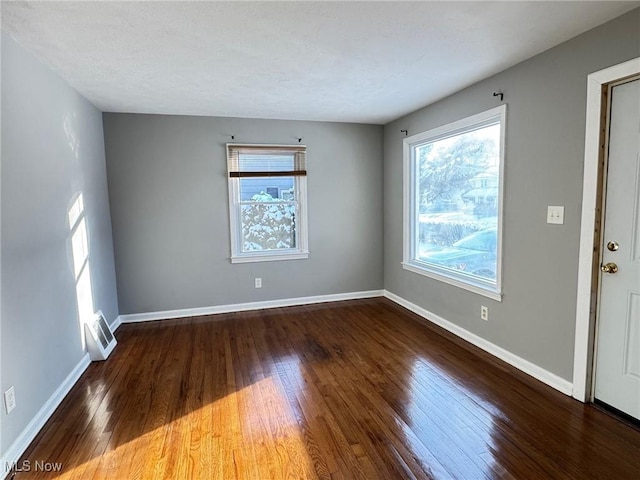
{"x": 457, "y": 182}
{"x": 268, "y": 226}
{"x": 266, "y": 163}
{"x": 266, "y": 189}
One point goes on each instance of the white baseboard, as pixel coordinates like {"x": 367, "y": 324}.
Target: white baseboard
{"x": 116, "y": 323}
{"x": 520, "y": 363}
{"x": 18, "y": 447}
{"x": 242, "y": 307}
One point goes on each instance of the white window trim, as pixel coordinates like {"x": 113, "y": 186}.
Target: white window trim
{"x": 301, "y": 252}
{"x": 445, "y": 276}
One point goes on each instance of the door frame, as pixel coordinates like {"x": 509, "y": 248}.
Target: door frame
{"x": 592, "y": 191}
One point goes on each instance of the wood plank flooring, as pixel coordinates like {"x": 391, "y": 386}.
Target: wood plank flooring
{"x": 351, "y": 390}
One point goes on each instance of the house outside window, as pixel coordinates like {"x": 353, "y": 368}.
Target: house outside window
{"x": 453, "y": 189}
{"x": 267, "y": 202}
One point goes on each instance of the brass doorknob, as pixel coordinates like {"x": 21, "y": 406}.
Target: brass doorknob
{"x": 609, "y": 267}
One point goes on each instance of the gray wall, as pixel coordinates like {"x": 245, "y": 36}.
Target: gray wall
{"x": 546, "y": 98}
{"x": 52, "y": 149}
{"x": 170, "y": 214}
{"x": 170, "y": 217}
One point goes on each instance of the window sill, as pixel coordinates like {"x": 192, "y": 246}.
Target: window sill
{"x": 269, "y": 257}
{"x": 478, "y": 289}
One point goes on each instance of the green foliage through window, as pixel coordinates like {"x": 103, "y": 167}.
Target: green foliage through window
{"x": 452, "y": 224}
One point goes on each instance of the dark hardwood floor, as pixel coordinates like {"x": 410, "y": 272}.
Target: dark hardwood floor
{"x": 358, "y": 389}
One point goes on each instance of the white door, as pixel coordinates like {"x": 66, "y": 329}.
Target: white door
{"x": 617, "y": 378}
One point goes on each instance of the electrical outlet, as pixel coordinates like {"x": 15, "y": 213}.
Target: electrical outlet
{"x": 555, "y": 215}
{"x": 10, "y": 399}
{"x": 258, "y": 282}
{"x": 484, "y": 313}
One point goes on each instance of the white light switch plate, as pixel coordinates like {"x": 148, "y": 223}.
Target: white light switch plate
{"x": 10, "y": 399}
{"x": 555, "y": 215}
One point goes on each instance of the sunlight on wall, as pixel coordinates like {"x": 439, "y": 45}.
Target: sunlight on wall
{"x": 72, "y": 137}
{"x": 81, "y": 267}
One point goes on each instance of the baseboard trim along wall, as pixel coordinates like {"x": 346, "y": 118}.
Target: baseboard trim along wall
{"x": 116, "y": 323}
{"x": 242, "y": 307}
{"x": 512, "y": 359}
{"x": 22, "y": 442}
{"x": 537, "y": 372}
{"x": 18, "y": 447}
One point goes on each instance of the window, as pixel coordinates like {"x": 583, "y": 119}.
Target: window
{"x": 267, "y": 202}
{"x": 453, "y": 202}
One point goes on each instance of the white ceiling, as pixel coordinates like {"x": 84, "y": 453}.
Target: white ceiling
{"x": 359, "y": 61}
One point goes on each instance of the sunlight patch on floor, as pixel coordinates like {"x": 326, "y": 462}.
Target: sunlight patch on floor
{"x": 250, "y": 433}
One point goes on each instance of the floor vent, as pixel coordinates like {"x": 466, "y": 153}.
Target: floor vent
{"x": 100, "y": 339}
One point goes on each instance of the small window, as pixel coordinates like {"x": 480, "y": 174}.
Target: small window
{"x": 267, "y": 202}
{"x": 453, "y": 202}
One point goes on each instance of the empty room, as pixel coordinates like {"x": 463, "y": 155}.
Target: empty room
{"x": 320, "y": 240}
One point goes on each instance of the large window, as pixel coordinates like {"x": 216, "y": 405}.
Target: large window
{"x": 267, "y": 201}
{"x": 453, "y": 202}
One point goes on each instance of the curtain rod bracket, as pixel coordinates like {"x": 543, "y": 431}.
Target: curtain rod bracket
{"x": 406, "y": 132}
{"x": 499, "y": 94}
